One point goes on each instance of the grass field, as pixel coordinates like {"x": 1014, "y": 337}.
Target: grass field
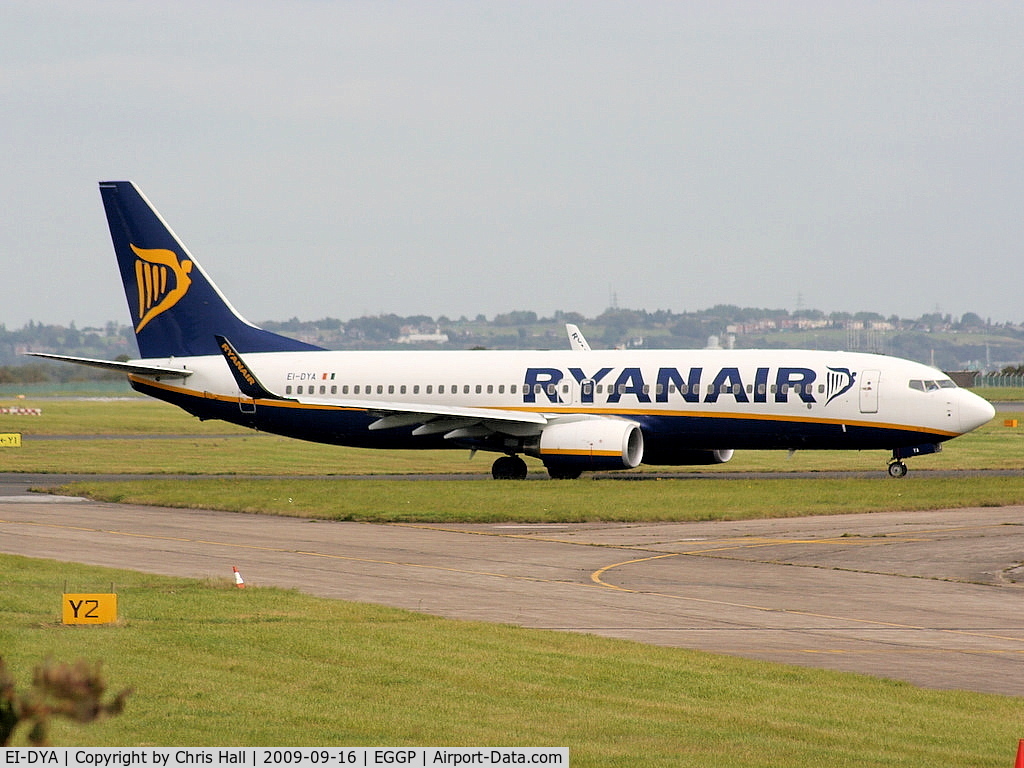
{"x": 582, "y": 500}
{"x": 221, "y": 448}
{"x": 213, "y": 665}
{"x": 64, "y": 440}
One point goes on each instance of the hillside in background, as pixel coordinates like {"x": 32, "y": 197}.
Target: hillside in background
{"x": 965, "y": 343}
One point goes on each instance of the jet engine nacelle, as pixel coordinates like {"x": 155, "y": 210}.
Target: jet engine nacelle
{"x": 591, "y": 444}
{"x": 689, "y": 457}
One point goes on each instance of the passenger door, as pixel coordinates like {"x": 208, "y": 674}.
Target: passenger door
{"x": 869, "y": 391}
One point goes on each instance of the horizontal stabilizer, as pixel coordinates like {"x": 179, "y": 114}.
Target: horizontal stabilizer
{"x": 140, "y": 368}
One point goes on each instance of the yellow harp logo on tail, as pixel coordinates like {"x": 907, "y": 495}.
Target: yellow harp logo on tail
{"x": 162, "y": 281}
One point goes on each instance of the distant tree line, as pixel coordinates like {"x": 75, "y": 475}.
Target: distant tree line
{"x": 936, "y": 338}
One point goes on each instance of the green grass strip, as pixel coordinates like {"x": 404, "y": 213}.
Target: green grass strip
{"x": 543, "y": 501}
{"x": 133, "y": 437}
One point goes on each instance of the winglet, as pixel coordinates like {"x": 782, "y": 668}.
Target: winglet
{"x": 576, "y": 339}
{"x": 247, "y": 382}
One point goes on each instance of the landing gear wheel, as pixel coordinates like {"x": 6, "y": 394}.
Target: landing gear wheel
{"x": 897, "y": 469}
{"x": 509, "y": 468}
{"x": 564, "y": 473}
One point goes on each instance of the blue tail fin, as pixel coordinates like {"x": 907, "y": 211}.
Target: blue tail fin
{"x": 177, "y": 311}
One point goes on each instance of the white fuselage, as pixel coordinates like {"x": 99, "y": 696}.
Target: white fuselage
{"x": 691, "y": 398}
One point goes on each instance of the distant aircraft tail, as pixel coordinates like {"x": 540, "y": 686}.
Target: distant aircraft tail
{"x": 177, "y": 311}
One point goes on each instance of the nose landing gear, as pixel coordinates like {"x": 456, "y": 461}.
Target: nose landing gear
{"x": 896, "y": 466}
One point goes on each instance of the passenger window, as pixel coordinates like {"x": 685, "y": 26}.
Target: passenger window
{"x": 479, "y": 389}
{"x": 288, "y": 389}
{"x": 323, "y": 389}
{"x": 334, "y": 389}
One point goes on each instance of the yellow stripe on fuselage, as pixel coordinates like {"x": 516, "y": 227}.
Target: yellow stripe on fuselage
{"x": 574, "y": 410}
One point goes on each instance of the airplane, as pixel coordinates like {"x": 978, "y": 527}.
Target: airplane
{"x": 576, "y": 410}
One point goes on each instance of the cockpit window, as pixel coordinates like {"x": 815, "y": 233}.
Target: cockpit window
{"x": 931, "y": 386}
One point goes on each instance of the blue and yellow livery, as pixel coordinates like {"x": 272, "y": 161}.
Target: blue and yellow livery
{"x": 576, "y": 410}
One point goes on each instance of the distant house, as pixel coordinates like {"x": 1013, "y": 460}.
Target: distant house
{"x": 418, "y": 336}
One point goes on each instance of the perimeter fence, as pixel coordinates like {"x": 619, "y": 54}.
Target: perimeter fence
{"x": 999, "y": 380}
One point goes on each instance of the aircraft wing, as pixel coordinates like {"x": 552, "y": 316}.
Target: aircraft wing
{"x": 451, "y": 421}
{"x": 144, "y": 369}
{"x": 429, "y": 419}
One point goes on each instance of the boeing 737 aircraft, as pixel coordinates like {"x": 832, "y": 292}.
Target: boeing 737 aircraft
{"x": 576, "y": 410}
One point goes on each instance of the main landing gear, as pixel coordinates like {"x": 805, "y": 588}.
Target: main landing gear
{"x": 514, "y": 468}
{"x": 509, "y": 468}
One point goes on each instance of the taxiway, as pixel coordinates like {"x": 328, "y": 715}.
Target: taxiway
{"x": 927, "y": 597}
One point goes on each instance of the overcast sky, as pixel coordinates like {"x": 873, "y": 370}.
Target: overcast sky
{"x": 347, "y": 158}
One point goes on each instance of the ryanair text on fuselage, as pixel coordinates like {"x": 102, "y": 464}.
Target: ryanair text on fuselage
{"x": 613, "y": 384}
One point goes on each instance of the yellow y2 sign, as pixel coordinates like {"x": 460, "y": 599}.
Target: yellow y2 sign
{"x": 90, "y": 609}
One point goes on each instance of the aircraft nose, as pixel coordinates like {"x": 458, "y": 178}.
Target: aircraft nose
{"x": 974, "y": 411}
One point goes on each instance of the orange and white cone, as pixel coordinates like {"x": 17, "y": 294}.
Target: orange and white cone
{"x": 238, "y": 578}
